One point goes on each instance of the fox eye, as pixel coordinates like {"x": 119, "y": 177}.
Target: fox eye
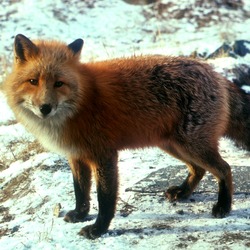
{"x": 58, "y": 84}
{"x": 33, "y": 82}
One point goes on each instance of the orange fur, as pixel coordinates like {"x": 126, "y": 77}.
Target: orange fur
{"x": 89, "y": 112}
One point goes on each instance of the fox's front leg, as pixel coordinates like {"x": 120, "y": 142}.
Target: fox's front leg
{"x": 82, "y": 183}
{"x": 107, "y": 187}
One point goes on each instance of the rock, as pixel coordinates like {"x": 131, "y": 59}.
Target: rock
{"x": 224, "y": 51}
{"x": 240, "y": 47}
{"x": 242, "y": 75}
{"x": 158, "y": 181}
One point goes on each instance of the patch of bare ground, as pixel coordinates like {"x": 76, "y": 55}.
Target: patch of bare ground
{"x": 231, "y": 237}
{"x": 32, "y": 148}
{"x": 2, "y": 166}
{"x": 10, "y": 122}
{"x": 17, "y": 187}
{"x": 5, "y": 217}
{"x": 4, "y": 231}
{"x": 186, "y": 241}
{"x": 202, "y": 13}
{"x": 58, "y": 165}
{"x": 126, "y": 208}
{"x": 21, "y": 150}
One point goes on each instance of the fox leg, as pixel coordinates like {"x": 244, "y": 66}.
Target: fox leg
{"x": 107, "y": 187}
{"x": 82, "y": 182}
{"x": 187, "y": 187}
{"x": 210, "y": 160}
{"x": 189, "y": 184}
{"x": 222, "y": 172}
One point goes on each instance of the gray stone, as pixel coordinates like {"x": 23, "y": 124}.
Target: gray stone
{"x": 163, "y": 178}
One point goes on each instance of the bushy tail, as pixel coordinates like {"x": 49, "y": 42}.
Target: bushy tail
{"x": 239, "y": 121}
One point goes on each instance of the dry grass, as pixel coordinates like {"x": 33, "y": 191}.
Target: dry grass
{"x": 21, "y": 152}
{"x": 32, "y": 149}
{"x": 5, "y": 217}
{"x": 4, "y": 231}
{"x": 17, "y": 187}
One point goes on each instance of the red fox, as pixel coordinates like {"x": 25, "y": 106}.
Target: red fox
{"x": 90, "y": 111}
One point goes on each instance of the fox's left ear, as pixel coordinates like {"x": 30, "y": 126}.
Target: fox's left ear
{"x": 24, "y": 48}
{"x": 76, "y": 46}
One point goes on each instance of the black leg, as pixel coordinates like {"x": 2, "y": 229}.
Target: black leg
{"x": 223, "y": 206}
{"x": 82, "y": 182}
{"x": 107, "y": 187}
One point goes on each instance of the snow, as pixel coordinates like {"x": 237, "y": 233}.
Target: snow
{"x": 33, "y": 181}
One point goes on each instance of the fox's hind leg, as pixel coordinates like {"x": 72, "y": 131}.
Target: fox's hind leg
{"x": 195, "y": 174}
{"x": 203, "y": 159}
{"x": 82, "y": 182}
{"x": 222, "y": 171}
{"x": 187, "y": 187}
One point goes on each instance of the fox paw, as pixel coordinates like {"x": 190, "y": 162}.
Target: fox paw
{"x": 175, "y": 193}
{"x": 74, "y": 216}
{"x": 220, "y": 211}
{"x": 91, "y": 232}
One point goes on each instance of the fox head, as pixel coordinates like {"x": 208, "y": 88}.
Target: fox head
{"x": 46, "y": 78}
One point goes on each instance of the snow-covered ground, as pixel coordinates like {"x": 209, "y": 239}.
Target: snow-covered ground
{"x": 34, "y": 182}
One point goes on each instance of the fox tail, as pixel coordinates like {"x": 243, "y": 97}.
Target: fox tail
{"x": 238, "y": 128}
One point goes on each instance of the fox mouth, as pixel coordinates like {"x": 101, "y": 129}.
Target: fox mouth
{"x": 44, "y": 117}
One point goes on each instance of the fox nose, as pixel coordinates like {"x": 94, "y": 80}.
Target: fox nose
{"x": 45, "y": 109}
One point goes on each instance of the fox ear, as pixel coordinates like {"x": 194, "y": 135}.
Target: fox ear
{"x": 24, "y": 48}
{"x": 76, "y": 46}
